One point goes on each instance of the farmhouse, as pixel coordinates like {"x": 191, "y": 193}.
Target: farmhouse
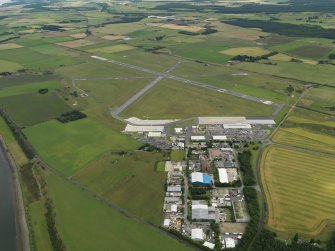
{"x": 198, "y": 178}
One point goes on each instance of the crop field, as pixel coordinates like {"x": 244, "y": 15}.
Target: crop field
{"x": 251, "y": 83}
{"x": 123, "y": 28}
{"x": 320, "y": 99}
{"x": 76, "y": 43}
{"x": 42, "y": 107}
{"x": 116, "y": 176}
{"x": 311, "y": 51}
{"x": 72, "y": 145}
{"x": 299, "y": 188}
{"x": 158, "y": 62}
{"x": 30, "y": 59}
{"x": 8, "y": 66}
{"x": 287, "y": 58}
{"x": 97, "y": 69}
{"x": 84, "y": 223}
{"x": 9, "y": 46}
{"x": 306, "y": 139}
{"x": 112, "y": 49}
{"x": 249, "y": 51}
{"x": 311, "y": 73}
{"x": 306, "y": 48}
{"x": 175, "y": 100}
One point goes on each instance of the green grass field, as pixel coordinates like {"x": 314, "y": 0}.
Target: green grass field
{"x": 9, "y": 66}
{"x": 175, "y": 100}
{"x": 255, "y": 84}
{"x": 250, "y": 51}
{"x": 110, "y": 93}
{"x": 320, "y": 99}
{"x": 130, "y": 181}
{"x": 85, "y": 224}
{"x": 39, "y": 226}
{"x": 322, "y": 74}
{"x": 31, "y": 59}
{"x": 72, "y": 145}
{"x": 177, "y": 155}
{"x": 300, "y": 190}
{"x": 17, "y": 89}
{"x": 13, "y": 146}
{"x": 33, "y": 108}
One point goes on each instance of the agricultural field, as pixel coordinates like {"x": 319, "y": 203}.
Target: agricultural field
{"x": 85, "y": 223}
{"x": 305, "y": 130}
{"x": 320, "y": 99}
{"x": 321, "y": 74}
{"x": 42, "y": 107}
{"x": 249, "y": 51}
{"x": 25, "y": 88}
{"x": 73, "y": 145}
{"x": 296, "y": 204}
{"x": 184, "y": 101}
{"x": 116, "y": 175}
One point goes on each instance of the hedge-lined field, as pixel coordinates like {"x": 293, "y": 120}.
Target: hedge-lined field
{"x": 300, "y": 191}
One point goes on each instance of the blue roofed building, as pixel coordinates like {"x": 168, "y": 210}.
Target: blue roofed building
{"x": 198, "y": 178}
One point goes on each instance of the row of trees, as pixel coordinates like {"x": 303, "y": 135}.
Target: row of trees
{"x": 71, "y": 116}
{"x": 19, "y": 136}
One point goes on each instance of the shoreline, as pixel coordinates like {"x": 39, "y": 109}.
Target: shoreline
{"x": 22, "y": 231}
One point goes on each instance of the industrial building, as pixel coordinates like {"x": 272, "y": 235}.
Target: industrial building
{"x": 202, "y": 211}
{"x": 197, "y": 234}
{"x": 198, "y": 178}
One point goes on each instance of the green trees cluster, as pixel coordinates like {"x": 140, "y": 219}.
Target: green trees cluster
{"x": 244, "y": 159}
{"x": 56, "y": 241}
{"x": 71, "y": 116}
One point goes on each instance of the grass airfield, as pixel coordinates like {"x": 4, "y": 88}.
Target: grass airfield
{"x": 52, "y": 48}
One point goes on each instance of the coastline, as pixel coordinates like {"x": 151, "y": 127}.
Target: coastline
{"x": 22, "y": 231}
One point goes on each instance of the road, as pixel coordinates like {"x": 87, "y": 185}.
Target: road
{"x": 167, "y": 74}
{"x": 259, "y": 185}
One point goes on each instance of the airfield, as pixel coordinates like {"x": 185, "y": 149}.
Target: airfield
{"x": 172, "y": 69}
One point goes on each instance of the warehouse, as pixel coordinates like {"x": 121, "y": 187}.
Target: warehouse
{"x": 198, "y": 138}
{"x": 220, "y": 120}
{"x": 219, "y": 138}
{"x": 133, "y": 128}
{"x": 223, "y": 175}
{"x": 198, "y": 178}
{"x": 197, "y": 234}
{"x": 202, "y": 212}
{"x": 237, "y": 126}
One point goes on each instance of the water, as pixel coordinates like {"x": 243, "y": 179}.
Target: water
{"x": 4, "y": 1}
{"x": 8, "y": 237}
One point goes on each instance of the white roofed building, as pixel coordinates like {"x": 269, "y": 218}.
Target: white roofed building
{"x": 198, "y": 138}
{"x": 223, "y": 175}
{"x": 219, "y": 138}
{"x": 133, "y": 128}
{"x": 209, "y": 245}
{"x": 154, "y": 134}
{"x": 197, "y": 234}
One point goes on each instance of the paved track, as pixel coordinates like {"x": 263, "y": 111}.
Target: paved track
{"x": 161, "y": 75}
